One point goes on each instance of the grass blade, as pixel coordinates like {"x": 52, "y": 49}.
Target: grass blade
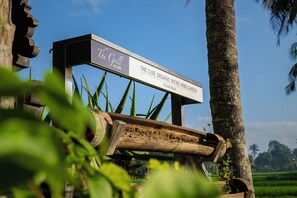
{"x": 167, "y": 117}
{"x": 107, "y": 103}
{"x": 141, "y": 115}
{"x": 122, "y": 103}
{"x": 76, "y": 89}
{"x": 107, "y": 99}
{"x": 45, "y": 116}
{"x": 99, "y": 89}
{"x": 87, "y": 88}
{"x": 91, "y": 99}
{"x": 133, "y": 105}
{"x": 150, "y": 108}
{"x": 159, "y": 108}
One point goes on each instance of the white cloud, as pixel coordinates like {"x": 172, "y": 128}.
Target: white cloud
{"x": 244, "y": 20}
{"x": 262, "y": 132}
{"x": 93, "y": 5}
{"x": 91, "y": 2}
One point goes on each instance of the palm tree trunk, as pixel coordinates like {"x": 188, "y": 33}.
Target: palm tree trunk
{"x": 225, "y": 101}
{"x": 6, "y": 40}
{"x": 6, "y": 34}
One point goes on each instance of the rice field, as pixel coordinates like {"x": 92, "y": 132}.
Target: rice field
{"x": 276, "y": 184}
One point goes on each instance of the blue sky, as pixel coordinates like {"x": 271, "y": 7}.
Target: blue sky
{"x": 174, "y": 36}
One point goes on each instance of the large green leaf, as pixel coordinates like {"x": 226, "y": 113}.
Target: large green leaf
{"x": 116, "y": 175}
{"x": 11, "y": 85}
{"x": 84, "y": 114}
{"x": 28, "y": 148}
{"x": 6, "y": 114}
{"x": 74, "y": 117}
{"x": 90, "y": 150}
{"x": 99, "y": 187}
{"x": 175, "y": 184}
{"x": 122, "y": 103}
{"x": 22, "y": 192}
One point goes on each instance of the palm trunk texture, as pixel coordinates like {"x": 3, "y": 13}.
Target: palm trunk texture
{"x": 6, "y": 40}
{"x": 225, "y": 101}
{"x": 6, "y": 34}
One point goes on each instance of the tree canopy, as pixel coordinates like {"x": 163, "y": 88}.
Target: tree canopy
{"x": 279, "y": 157}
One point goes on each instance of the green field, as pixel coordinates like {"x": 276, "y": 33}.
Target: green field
{"x": 276, "y": 184}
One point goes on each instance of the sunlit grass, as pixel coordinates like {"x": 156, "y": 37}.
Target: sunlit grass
{"x": 276, "y": 184}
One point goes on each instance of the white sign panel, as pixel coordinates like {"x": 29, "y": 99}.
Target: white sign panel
{"x": 161, "y": 79}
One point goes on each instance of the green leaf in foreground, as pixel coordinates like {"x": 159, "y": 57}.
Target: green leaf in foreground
{"x": 6, "y": 114}
{"x": 99, "y": 187}
{"x": 175, "y": 184}
{"x": 74, "y": 117}
{"x": 28, "y": 148}
{"x": 11, "y": 85}
{"x": 116, "y": 175}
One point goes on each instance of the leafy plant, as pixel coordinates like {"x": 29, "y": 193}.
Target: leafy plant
{"x": 60, "y": 153}
{"x": 175, "y": 182}
{"x": 224, "y": 172}
{"x": 93, "y": 99}
{"x": 38, "y": 158}
{"x": 152, "y": 113}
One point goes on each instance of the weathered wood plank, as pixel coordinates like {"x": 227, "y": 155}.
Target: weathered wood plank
{"x": 116, "y": 133}
{"x": 149, "y": 135}
{"x": 157, "y": 125}
{"x": 239, "y": 188}
{"x": 237, "y": 195}
{"x": 147, "y": 145}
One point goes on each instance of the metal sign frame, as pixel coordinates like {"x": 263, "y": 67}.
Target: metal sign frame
{"x": 97, "y": 52}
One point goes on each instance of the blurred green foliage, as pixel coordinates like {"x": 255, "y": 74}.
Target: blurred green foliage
{"x": 175, "y": 182}
{"x": 38, "y": 158}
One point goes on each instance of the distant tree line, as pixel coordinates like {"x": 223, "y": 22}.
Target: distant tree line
{"x": 279, "y": 157}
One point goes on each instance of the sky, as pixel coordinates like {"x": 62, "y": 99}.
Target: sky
{"x": 173, "y": 36}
